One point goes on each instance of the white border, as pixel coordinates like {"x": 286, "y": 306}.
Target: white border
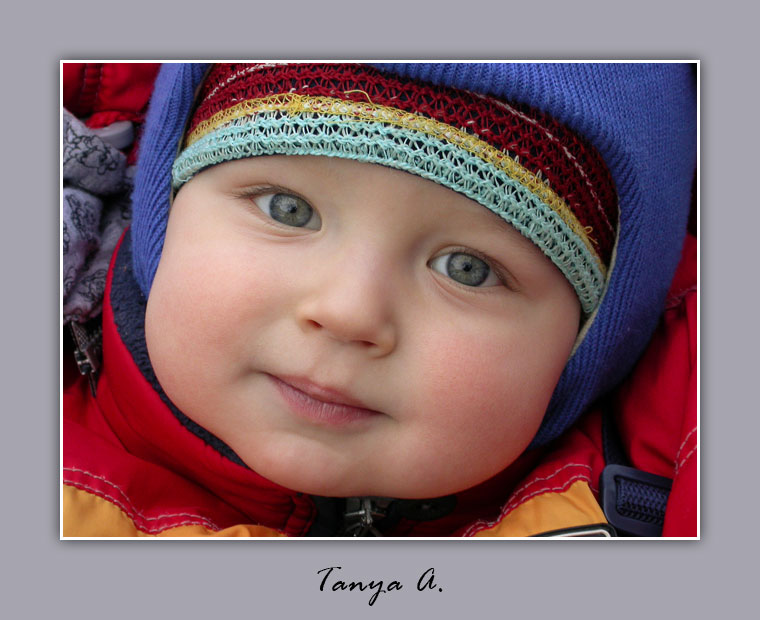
{"x": 392, "y": 538}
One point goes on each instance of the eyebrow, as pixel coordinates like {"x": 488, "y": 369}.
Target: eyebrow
{"x": 511, "y": 231}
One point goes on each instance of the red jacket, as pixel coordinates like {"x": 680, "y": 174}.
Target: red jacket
{"x": 657, "y": 406}
{"x": 130, "y": 468}
{"x": 101, "y": 94}
{"x": 105, "y": 93}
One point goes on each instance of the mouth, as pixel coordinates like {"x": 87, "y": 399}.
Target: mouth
{"x": 320, "y": 404}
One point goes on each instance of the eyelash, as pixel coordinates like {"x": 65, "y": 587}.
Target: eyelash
{"x": 257, "y": 194}
{"x": 494, "y": 268}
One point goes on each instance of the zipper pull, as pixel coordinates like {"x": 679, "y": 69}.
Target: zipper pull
{"x": 360, "y": 516}
{"x": 88, "y": 349}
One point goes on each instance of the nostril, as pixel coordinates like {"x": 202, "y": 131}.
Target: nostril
{"x": 367, "y": 332}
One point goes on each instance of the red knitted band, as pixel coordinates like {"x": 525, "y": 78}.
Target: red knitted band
{"x": 571, "y": 167}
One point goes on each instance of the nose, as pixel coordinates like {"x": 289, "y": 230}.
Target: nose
{"x": 351, "y": 301}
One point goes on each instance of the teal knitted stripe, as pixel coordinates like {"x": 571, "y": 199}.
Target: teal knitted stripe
{"x": 411, "y": 151}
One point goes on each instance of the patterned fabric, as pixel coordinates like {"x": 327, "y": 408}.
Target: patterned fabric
{"x": 547, "y": 183}
{"x": 96, "y": 190}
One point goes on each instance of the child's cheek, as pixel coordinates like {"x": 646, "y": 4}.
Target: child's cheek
{"x": 485, "y": 385}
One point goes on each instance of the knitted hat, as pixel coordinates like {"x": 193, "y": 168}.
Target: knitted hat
{"x": 527, "y": 141}
{"x": 517, "y": 162}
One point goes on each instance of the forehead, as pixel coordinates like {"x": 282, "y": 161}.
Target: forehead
{"x": 388, "y": 192}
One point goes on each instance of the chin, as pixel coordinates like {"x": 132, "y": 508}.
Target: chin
{"x": 323, "y": 487}
{"x": 322, "y": 484}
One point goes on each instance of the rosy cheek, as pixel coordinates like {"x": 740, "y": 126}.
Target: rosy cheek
{"x": 460, "y": 373}
{"x": 485, "y": 385}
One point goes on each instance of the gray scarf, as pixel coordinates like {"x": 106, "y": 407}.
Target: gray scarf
{"x": 96, "y": 187}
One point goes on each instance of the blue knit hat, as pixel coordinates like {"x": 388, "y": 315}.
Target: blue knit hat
{"x": 641, "y": 118}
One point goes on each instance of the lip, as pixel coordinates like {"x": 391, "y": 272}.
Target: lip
{"x": 320, "y": 404}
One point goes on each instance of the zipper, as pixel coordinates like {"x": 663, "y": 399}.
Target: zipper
{"x": 361, "y": 515}
{"x": 88, "y": 349}
{"x": 367, "y": 516}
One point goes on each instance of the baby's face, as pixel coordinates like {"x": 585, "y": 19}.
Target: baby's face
{"x": 349, "y": 329}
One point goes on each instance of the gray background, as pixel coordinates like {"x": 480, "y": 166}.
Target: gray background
{"x": 43, "y": 577}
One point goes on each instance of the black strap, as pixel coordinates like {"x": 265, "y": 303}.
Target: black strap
{"x": 633, "y": 501}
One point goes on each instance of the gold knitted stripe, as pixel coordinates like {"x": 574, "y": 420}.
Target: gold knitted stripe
{"x": 292, "y": 103}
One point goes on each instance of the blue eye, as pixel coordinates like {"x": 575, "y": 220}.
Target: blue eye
{"x": 289, "y": 210}
{"x": 465, "y": 269}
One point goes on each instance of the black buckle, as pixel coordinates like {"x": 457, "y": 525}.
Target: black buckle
{"x": 634, "y": 501}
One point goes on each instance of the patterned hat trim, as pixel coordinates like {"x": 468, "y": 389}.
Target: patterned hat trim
{"x": 430, "y": 157}
{"x": 295, "y": 103}
{"x": 300, "y": 104}
{"x": 568, "y": 164}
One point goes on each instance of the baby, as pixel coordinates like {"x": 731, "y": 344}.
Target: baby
{"x": 362, "y": 299}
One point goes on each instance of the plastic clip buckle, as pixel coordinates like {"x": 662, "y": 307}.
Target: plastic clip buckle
{"x": 650, "y": 524}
